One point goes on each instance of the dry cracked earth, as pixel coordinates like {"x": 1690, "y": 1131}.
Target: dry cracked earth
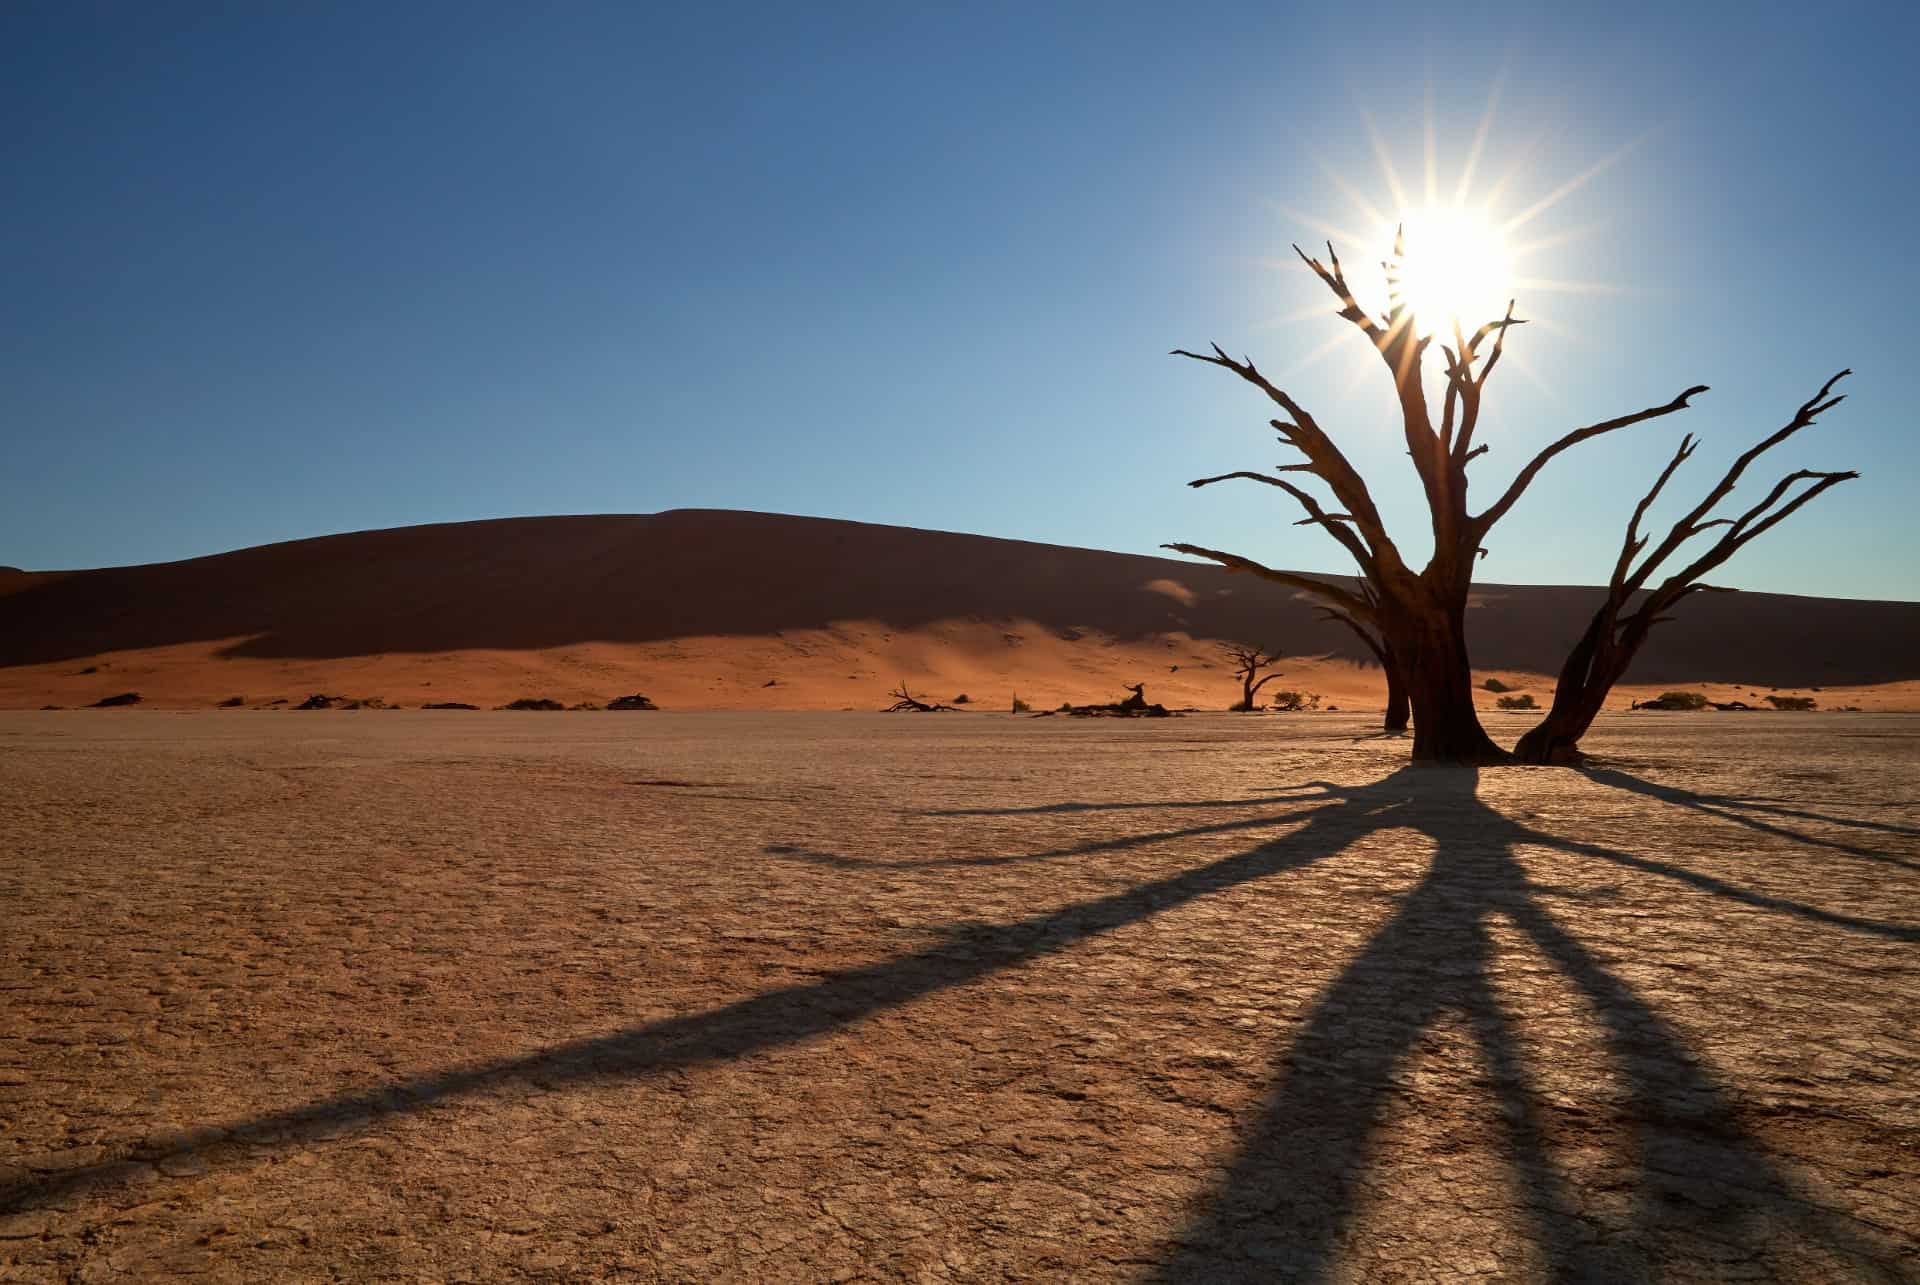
{"x": 406, "y": 996}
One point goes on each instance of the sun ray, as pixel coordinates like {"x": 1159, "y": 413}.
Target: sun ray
{"x": 1319, "y": 352}
{"x": 1533, "y": 376}
{"x": 1561, "y": 330}
{"x": 1331, "y": 231}
{"x": 1572, "y": 185}
{"x": 1554, "y": 285}
{"x": 1479, "y": 143}
{"x": 1319, "y": 310}
{"x": 1385, "y": 159}
{"x": 1499, "y": 189}
{"x": 1433, "y": 152}
{"x": 1529, "y": 248}
{"x": 1359, "y": 368}
{"x": 1367, "y": 209}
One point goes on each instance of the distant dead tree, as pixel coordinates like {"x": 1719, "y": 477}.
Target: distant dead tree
{"x": 1418, "y": 616}
{"x": 1247, "y": 663}
{"x": 905, "y": 702}
{"x": 1632, "y": 609}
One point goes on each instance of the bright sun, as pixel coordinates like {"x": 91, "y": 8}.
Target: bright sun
{"x": 1457, "y": 268}
{"x": 1470, "y": 247}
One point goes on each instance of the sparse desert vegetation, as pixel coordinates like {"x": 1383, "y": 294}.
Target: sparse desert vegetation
{"x": 1684, "y": 701}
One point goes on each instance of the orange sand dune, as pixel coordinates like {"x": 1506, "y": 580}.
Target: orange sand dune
{"x": 727, "y": 610}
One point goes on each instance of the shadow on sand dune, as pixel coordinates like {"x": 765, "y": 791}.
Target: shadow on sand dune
{"x": 1697, "y": 1176}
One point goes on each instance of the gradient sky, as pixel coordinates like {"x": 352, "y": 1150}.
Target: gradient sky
{"x": 273, "y": 271}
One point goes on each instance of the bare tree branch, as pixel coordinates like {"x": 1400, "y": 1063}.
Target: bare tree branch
{"x": 1360, "y": 631}
{"x": 1345, "y": 599}
{"x": 1739, "y": 534}
{"x": 1325, "y": 460}
{"x": 1465, "y": 387}
{"x": 1615, "y": 635}
{"x": 1485, "y": 521}
{"x": 1634, "y": 542}
{"x": 1350, "y": 308}
{"x": 1238, "y": 474}
{"x": 1503, "y": 325}
{"x": 1316, "y": 516}
{"x": 1692, "y": 524}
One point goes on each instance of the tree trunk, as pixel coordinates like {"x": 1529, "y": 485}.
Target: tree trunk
{"x": 1430, "y": 642}
{"x": 1591, "y": 669}
{"x": 1397, "y": 709}
{"x": 1576, "y": 703}
{"x": 1556, "y": 738}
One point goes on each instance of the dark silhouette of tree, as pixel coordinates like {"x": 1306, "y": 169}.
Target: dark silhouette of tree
{"x": 1247, "y": 663}
{"x": 905, "y": 702}
{"x": 1420, "y": 615}
{"x": 1631, "y": 609}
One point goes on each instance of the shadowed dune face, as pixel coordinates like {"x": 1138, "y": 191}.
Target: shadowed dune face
{"x": 529, "y": 583}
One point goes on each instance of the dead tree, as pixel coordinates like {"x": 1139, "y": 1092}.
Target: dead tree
{"x": 1419, "y": 614}
{"x": 1136, "y": 705}
{"x": 1632, "y": 609}
{"x": 1247, "y": 663}
{"x": 907, "y": 703}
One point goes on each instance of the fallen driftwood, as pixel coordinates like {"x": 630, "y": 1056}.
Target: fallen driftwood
{"x": 908, "y": 704}
{"x": 1134, "y": 706}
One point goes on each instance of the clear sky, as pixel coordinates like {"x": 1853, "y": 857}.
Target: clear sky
{"x": 272, "y": 271}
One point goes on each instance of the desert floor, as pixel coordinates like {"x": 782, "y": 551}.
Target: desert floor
{"x": 829, "y": 996}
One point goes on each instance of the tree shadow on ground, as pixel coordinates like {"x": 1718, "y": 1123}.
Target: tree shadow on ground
{"x": 1296, "y": 1182}
{"x": 1762, "y": 814}
{"x": 1702, "y": 1188}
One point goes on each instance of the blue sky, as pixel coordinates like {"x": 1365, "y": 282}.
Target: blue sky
{"x": 276, "y": 271}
